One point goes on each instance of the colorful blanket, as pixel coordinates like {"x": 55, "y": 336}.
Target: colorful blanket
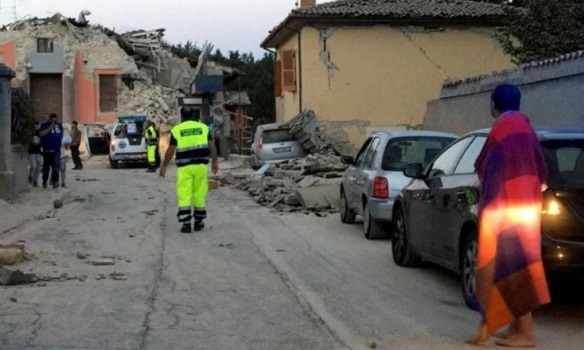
{"x": 510, "y": 276}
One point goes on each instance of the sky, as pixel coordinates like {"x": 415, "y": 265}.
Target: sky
{"x": 227, "y": 24}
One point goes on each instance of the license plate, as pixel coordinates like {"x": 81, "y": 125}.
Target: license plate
{"x": 282, "y": 149}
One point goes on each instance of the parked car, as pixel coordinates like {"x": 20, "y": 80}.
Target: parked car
{"x": 273, "y": 143}
{"x": 436, "y": 214}
{"x": 375, "y": 177}
{"x": 127, "y": 142}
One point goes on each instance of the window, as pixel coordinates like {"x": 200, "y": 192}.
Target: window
{"x": 444, "y": 164}
{"x": 44, "y": 45}
{"x": 371, "y": 153}
{"x": 467, "y": 162}
{"x": 278, "y": 78}
{"x": 277, "y": 136}
{"x": 401, "y": 151}
{"x": 289, "y": 70}
{"x": 108, "y": 93}
{"x": 362, "y": 152}
{"x": 565, "y": 163}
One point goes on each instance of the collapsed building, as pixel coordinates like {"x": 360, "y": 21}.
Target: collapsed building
{"x": 92, "y": 74}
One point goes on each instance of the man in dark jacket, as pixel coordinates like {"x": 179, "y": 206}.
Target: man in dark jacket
{"x": 51, "y": 133}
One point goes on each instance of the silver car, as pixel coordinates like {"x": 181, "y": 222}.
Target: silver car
{"x": 375, "y": 177}
{"x": 273, "y": 143}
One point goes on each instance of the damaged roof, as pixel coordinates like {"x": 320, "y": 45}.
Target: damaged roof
{"x": 236, "y": 98}
{"x": 396, "y": 12}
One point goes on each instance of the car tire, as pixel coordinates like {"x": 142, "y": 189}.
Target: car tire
{"x": 371, "y": 228}
{"x": 468, "y": 271}
{"x": 347, "y": 215}
{"x": 400, "y": 248}
{"x": 113, "y": 163}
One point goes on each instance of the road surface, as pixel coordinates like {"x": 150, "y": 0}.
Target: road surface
{"x": 252, "y": 280}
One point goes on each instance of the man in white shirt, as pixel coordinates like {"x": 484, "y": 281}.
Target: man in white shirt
{"x": 65, "y": 144}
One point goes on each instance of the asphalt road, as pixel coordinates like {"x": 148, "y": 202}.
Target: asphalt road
{"x": 251, "y": 280}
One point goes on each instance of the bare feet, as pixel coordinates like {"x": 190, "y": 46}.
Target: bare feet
{"x": 481, "y": 337}
{"x": 519, "y": 334}
{"x": 516, "y": 341}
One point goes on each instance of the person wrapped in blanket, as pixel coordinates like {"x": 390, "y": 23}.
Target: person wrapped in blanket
{"x": 511, "y": 281}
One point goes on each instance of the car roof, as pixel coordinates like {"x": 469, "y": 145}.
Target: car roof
{"x": 546, "y": 132}
{"x": 403, "y": 133}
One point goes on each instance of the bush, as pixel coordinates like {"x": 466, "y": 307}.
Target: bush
{"x": 22, "y": 117}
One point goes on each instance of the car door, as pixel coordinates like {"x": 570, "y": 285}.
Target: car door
{"x": 366, "y": 172}
{"x": 422, "y": 231}
{"x": 453, "y": 201}
{"x": 352, "y": 190}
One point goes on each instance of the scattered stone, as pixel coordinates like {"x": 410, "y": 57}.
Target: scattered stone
{"x": 82, "y": 278}
{"x": 103, "y": 262}
{"x": 228, "y": 245}
{"x": 58, "y": 204}
{"x": 81, "y": 256}
{"x": 9, "y": 277}
{"x": 116, "y": 276}
{"x": 14, "y": 300}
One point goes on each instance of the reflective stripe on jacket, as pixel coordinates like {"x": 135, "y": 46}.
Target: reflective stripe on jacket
{"x": 192, "y": 143}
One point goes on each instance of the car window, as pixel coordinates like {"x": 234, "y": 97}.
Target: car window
{"x": 371, "y": 153}
{"x": 401, "y": 151}
{"x": 565, "y": 163}
{"x": 362, "y": 152}
{"x": 444, "y": 164}
{"x": 277, "y": 136}
{"x": 467, "y": 162}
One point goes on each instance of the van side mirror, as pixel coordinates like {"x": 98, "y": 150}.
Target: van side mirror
{"x": 414, "y": 170}
{"x": 348, "y": 160}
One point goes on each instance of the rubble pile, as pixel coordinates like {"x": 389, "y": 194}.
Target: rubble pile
{"x": 306, "y": 185}
{"x": 155, "y": 101}
{"x": 315, "y": 137}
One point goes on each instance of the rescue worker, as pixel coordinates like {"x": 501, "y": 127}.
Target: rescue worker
{"x": 151, "y": 136}
{"x": 193, "y": 144}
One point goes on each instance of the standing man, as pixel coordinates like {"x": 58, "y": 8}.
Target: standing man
{"x": 75, "y": 143}
{"x": 193, "y": 145}
{"x": 510, "y": 280}
{"x": 35, "y": 158}
{"x": 151, "y": 137}
{"x": 65, "y": 145}
{"x": 51, "y": 134}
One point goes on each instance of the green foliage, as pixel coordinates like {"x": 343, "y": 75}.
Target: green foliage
{"x": 257, "y": 78}
{"x": 22, "y": 117}
{"x": 542, "y": 29}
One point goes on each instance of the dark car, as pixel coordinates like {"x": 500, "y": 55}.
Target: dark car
{"x": 436, "y": 214}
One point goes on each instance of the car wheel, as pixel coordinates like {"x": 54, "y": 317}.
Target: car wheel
{"x": 372, "y": 228}
{"x": 347, "y": 215}
{"x": 400, "y": 248}
{"x": 113, "y": 163}
{"x": 468, "y": 269}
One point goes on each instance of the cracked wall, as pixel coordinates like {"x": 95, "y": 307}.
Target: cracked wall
{"x": 382, "y": 75}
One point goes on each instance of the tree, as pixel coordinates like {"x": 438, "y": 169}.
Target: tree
{"x": 542, "y": 29}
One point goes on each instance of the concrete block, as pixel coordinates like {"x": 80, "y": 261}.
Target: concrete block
{"x": 319, "y": 197}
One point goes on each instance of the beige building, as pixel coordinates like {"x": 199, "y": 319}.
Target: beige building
{"x": 369, "y": 65}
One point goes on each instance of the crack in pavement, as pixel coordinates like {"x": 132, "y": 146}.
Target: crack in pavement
{"x": 36, "y": 325}
{"x": 158, "y": 276}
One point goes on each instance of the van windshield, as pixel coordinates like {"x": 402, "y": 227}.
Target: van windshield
{"x": 128, "y": 129}
{"x": 277, "y": 136}
{"x": 402, "y": 151}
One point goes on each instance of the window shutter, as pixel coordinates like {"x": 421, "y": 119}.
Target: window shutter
{"x": 278, "y": 78}
{"x": 289, "y": 70}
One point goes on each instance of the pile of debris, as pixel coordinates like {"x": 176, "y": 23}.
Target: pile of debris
{"x": 305, "y": 185}
{"x": 155, "y": 101}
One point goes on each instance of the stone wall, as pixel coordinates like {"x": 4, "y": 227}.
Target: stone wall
{"x": 552, "y": 93}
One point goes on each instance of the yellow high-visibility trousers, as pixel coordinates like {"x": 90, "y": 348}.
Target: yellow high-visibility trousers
{"x": 151, "y": 155}
{"x": 191, "y": 192}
